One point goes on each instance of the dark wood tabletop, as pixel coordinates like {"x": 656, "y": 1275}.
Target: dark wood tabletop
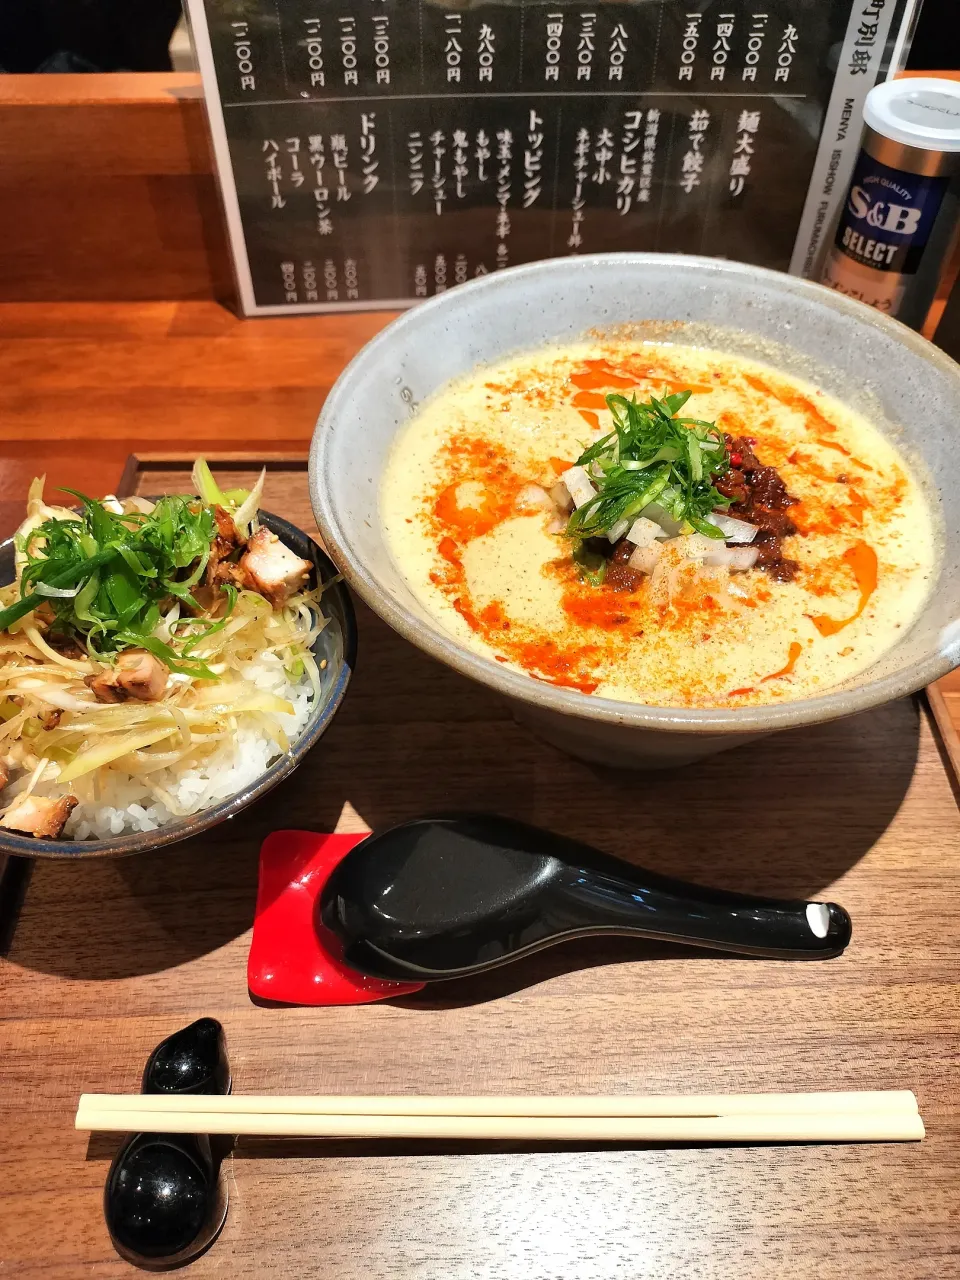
{"x": 110, "y": 956}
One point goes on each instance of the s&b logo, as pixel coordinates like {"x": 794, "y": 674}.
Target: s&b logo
{"x": 883, "y": 214}
{"x": 887, "y": 217}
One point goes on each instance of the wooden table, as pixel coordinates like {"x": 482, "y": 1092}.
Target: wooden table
{"x": 108, "y": 957}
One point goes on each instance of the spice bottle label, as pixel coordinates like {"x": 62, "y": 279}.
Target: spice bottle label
{"x": 884, "y": 228}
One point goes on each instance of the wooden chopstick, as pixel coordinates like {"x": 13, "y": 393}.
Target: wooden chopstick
{"x": 868, "y": 1116}
{"x": 872, "y": 1100}
{"x": 858, "y": 1126}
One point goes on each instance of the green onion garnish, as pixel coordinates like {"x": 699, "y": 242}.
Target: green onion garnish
{"x": 122, "y": 573}
{"x": 652, "y": 456}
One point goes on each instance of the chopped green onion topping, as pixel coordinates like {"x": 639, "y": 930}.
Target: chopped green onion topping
{"x": 652, "y": 455}
{"x": 129, "y": 569}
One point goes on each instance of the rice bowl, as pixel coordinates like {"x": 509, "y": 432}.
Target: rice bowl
{"x": 125, "y": 817}
{"x": 126, "y": 804}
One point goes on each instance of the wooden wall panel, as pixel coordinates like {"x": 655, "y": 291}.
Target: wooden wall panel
{"x": 107, "y": 191}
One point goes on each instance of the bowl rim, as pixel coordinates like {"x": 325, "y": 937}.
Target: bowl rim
{"x": 570, "y": 702}
{"x": 132, "y": 842}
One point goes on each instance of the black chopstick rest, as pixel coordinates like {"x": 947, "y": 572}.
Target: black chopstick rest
{"x": 193, "y": 1060}
{"x": 165, "y": 1200}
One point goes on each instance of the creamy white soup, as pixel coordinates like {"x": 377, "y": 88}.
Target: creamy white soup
{"x": 574, "y": 514}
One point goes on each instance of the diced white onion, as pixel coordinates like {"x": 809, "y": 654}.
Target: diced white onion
{"x": 715, "y": 554}
{"x": 534, "y": 498}
{"x": 560, "y": 496}
{"x": 616, "y": 531}
{"x": 743, "y": 558}
{"x": 112, "y": 503}
{"x": 697, "y": 546}
{"x": 720, "y": 557}
{"x": 643, "y": 531}
{"x": 579, "y": 486}
{"x": 707, "y": 551}
{"x": 738, "y": 531}
{"x": 654, "y": 511}
{"x": 645, "y": 558}
{"x": 60, "y": 593}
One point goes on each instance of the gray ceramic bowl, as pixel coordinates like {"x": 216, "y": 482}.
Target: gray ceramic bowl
{"x": 906, "y": 385}
{"x": 337, "y": 643}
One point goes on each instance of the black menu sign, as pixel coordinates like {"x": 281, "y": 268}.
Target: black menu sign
{"x": 375, "y": 152}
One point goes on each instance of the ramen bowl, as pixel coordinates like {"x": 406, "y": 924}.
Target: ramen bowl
{"x": 908, "y": 388}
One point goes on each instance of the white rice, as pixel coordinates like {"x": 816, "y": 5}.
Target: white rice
{"x": 127, "y": 804}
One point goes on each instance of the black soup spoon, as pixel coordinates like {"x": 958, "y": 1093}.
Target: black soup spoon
{"x": 448, "y": 897}
{"x": 165, "y": 1200}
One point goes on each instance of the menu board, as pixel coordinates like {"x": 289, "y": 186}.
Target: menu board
{"x": 376, "y": 152}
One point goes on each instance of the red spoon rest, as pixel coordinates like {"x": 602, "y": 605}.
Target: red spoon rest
{"x": 288, "y": 962}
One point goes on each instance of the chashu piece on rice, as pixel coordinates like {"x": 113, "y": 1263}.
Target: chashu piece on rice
{"x": 272, "y": 569}
{"x": 136, "y": 674}
{"x": 228, "y": 539}
{"x": 39, "y": 816}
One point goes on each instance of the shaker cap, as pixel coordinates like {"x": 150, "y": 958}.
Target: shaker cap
{"x": 919, "y": 111}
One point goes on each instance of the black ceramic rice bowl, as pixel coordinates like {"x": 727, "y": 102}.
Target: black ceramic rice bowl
{"x": 336, "y": 644}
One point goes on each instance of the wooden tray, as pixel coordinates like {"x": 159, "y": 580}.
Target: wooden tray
{"x": 944, "y": 700}
{"x": 110, "y": 956}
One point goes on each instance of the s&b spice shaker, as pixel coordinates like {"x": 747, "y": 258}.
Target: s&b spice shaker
{"x": 897, "y": 238}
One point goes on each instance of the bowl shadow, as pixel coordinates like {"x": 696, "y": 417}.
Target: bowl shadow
{"x": 785, "y": 816}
